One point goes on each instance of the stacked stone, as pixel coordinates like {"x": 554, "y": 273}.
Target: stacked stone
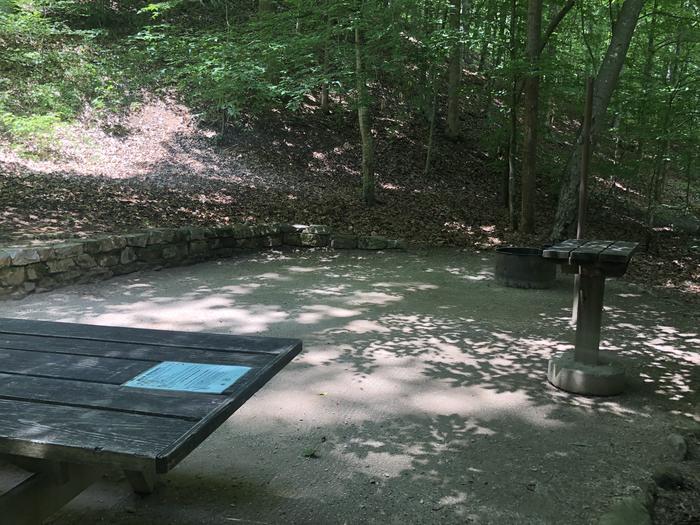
{"x": 28, "y": 269}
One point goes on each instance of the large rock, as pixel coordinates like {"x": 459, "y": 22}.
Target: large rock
{"x": 252, "y": 243}
{"x": 344, "y": 241}
{"x": 175, "y": 252}
{"x": 24, "y": 256}
{"x": 150, "y": 254}
{"x": 12, "y": 276}
{"x": 68, "y": 249}
{"x": 318, "y": 229}
{"x": 108, "y": 260}
{"x": 242, "y": 231}
{"x": 676, "y": 447}
{"x": 104, "y": 244}
{"x": 372, "y": 242}
{"x": 161, "y": 236}
{"x": 291, "y": 239}
{"x": 198, "y": 248}
{"x": 193, "y": 234}
{"x": 272, "y": 241}
{"x": 36, "y": 271}
{"x": 137, "y": 239}
{"x": 128, "y": 255}
{"x": 314, "y": 240}
{"x": 85, "y": 260}
{"x": 60, "y": 265}
{"x": 668, "y": 477}
{"x": 285, "y": 228}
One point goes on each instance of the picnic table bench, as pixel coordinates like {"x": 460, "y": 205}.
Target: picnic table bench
{"x": 77, "y": 400}
{"x": 586, "y": 371}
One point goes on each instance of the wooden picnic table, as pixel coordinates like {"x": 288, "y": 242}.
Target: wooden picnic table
{"x": 76, "y": 400}
{"x": 593, "y": 261}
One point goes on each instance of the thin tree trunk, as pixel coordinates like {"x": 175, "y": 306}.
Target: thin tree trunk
{"x": 431, "y": 133}
{"x": 510, "y": 184}
{"x": 490, "y": 17}
{"x": 646, "y": 86}
{"x": 688, "y": 179}
{"x": 454, "y": 73}
{"x": 500, "y": 38}
{"x": 363, "y": 121}
{"x": 658, "y": 178}
{"x": 532, "y": 87}
{"x": 605, "y": 83}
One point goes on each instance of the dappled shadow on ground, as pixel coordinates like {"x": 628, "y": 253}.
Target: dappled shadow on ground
{"x": 421, "y": 387}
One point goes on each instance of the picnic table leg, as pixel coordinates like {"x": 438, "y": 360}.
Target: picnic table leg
{"x": 585, "y": 370}
{"x": 49, "y": 488}
{"x": 589, "y": 314}
{"x": 142, "y": 481}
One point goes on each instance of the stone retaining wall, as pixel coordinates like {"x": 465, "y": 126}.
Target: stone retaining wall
{"x": 37, "y": 268}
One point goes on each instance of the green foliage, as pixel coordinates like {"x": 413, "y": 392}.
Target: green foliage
{"x": 50, "y": 73}
{"x": 234, "y": 59}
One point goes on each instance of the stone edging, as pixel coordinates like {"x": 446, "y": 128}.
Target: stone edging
{"x": 38, "y": 268}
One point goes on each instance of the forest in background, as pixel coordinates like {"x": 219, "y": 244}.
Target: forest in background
{"x": 487, "y": 94}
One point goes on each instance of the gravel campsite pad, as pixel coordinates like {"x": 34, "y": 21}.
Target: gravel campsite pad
{"x": 420, "y": 396}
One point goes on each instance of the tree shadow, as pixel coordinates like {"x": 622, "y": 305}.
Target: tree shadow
{"x": 421, "y": 386}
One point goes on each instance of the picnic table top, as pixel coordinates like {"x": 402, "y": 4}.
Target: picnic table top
{"x": 63, "y": 395}
{"x": 581, "y": 251}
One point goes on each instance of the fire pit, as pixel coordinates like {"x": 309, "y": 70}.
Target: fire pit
{"x": 524, "y": 268}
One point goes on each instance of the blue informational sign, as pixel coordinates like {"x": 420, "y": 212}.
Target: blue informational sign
{"x": 189, "y": 377}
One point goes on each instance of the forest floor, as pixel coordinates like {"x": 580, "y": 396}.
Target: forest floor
{"x": 155, "y": 166}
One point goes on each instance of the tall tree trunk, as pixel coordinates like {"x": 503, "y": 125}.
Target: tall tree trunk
{"x": 454, "y": 73}
{"x": 646, "y": 86}
{"x": 531, "y": 121}
{"x": 605, "y": 83}
{"x": 431, "y": 132}
{"x": 363, "y": 120}
{"x": 688, "y": 178}
{"x": 661, "y": 161}
{"x": 500, "y": 37}
{"x": 510, "y": 181}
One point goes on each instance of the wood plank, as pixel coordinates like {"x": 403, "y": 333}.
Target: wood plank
{"x": 79, "y": 435}
{"x": 589, "y": 252}
{"x": 134, "y": 351}
{"x": 79, "y": 432}
{"x": 82, "y": 394}
{"x": 562, "y": 249}
{"x": 619, "y": 252}
{"x": 141, "y": 336}
{"x": 65, "y": 366}
{"x": 241, "y": 391}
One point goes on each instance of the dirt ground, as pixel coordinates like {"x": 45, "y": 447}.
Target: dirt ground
{"x": 420, "y": 396}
